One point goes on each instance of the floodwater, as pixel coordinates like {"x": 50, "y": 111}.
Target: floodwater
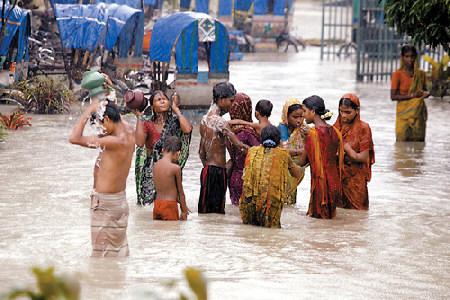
{"x": 399, "y": 249}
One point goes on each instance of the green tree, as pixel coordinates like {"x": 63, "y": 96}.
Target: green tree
{"x": 425, "y": 21}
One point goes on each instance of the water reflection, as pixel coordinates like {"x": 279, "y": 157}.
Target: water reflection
{"x": 409, "y": 158}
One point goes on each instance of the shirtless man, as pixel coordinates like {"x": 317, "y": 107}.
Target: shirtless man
{"x": 109, "y": 208}
{"x": 263, "y": 110}
{"x": 169, "y": 184}
{"x": 213, "y": 130}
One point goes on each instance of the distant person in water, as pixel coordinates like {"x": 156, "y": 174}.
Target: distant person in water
{"x": 168, "y": 181}
{"x": 408, "y": 89}
{"x": 213, "y": 131}
{"x": 109, "y": 207}
{"x": 263, "y": 110}
{"x": 266, "y": 174}
{"x": 359, "y": 154}
{"x": 325, "y": 153}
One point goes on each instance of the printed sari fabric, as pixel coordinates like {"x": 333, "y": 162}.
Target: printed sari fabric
{"x": 241, "y": 109}
{"x": 293, "y": 141}
{"x": 325, "y": 153}
{"x": 266, "y": 177}
{"x": 356, "y": 175}
{"x": 145, "y": 159}
{"x": 411, "y": 116}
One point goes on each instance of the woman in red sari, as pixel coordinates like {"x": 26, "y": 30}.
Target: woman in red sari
{"x": 325, "y": 153}
{"x": 359, "y": 154}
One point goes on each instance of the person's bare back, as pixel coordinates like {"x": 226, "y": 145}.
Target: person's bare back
{"x": 168, "y": 181}
{"x": 212, "y": 147}
{"x": 165, "y": 175}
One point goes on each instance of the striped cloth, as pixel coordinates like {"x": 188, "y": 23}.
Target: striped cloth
{"x": 109, "y": 221}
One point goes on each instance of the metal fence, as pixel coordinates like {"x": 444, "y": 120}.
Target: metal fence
{"x": 357, "y": 27}
{"x": 337, "y": 28}
{"x": 378, "y": 50}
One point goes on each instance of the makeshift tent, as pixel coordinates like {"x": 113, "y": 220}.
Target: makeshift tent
{"x": 243, "y": 5}
{"x": 183, "y": 31}
{"x": 202, "y": 6}
{"x": 131, "y": 3}
{"x": 18, "y": 29}
{"x": 86, "y": 27}
{"x": 275, "y": 7}
{"x": 225, "y": 8}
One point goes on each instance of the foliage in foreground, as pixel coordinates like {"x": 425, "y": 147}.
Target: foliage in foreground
{"x": 426, "y": 21}
{"x": 14, "y": 121}
{"x": 2, "y": 132}
{"x": 51, "y": 287}
{"x": 45, "y": 95}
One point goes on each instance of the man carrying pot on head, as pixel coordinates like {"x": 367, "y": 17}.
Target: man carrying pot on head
{"x": 161, "y": 119}
{"x": 109, "y": 208}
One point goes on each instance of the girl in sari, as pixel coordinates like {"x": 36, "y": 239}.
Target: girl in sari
{"x": 161, "y": 120}
{"x": 293, "y": 131}
{"x": 408, "y": 88}
{"x": 241, "y": 109}
{"x": 359, "y": 154}
{"x": 325, "y": 153}
{"x": 266, "y": 174}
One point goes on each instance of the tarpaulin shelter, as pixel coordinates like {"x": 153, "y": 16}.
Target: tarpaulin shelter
{"x": 264, "y": 7}
{"x": 184, "y": 31}
{"x": 18, "y": 29}
{"x": 86, "y": 27}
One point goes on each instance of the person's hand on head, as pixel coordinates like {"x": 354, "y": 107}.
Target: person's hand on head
{"x": 175, "y": 102}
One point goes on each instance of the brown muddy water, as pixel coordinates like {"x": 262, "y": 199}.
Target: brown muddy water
{"x": 399, "y": 249}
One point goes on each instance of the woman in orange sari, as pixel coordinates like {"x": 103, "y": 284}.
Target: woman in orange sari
{"x": 408, "y": 88}
{"x": 359, "y": 154}
{"x": 325, "y": 153}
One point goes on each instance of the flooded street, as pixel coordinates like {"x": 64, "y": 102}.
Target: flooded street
{"x": 399, "y": 249}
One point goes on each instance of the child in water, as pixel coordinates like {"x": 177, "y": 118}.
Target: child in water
{"x": 263, "y": 110}
{"x": 168, "y": 183}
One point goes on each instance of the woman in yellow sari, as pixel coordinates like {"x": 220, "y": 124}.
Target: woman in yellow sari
{"x": 266, "y": 174}
{"x": 408, "y": 88}
{"x": 293, "y": 131}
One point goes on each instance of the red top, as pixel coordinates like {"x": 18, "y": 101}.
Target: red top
{"x": 152, "y": 134}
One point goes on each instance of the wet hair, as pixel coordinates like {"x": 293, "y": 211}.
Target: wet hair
{"x": 264, "y": 107}
{"x": 223, "y": 90}
{"x": 270, "y": 136}
{"x": 293, "y": 107}
{"x": 156, "y": 92}
{"x": 112, "y": 111}
{"x": 409, "y": 48}
{"x": 172, "y": 144}
{"x": 348, "y": 103}
{"x": 317, "y": 104}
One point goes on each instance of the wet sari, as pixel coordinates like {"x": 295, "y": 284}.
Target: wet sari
{"x": 241, "y": 109}
{"x": 355, "y": 174}
{"x": 325, "y": 154}
{"x": 265, "y": 178}
{"x": 411, "y": 115}
{"x": 145, "y": 160}
{"x": 292, "y": 141}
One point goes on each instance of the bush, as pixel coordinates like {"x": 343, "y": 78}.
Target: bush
{"x": 45, "y": 96}
{"x": 15, "y": 121}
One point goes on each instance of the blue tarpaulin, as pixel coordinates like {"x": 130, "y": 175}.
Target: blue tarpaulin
{"x": 89, "y": 26}
{"x": 202, "y": 6}
{"x": 261, "y": 7}
{"x": 181, "y": 30}
{"x": 243, "y": 5}
{"x": 19, "y": 26}
{"x": 185, "y": 4}
{"x": 131, "y": 3}
{"x": 225, "y": 8}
